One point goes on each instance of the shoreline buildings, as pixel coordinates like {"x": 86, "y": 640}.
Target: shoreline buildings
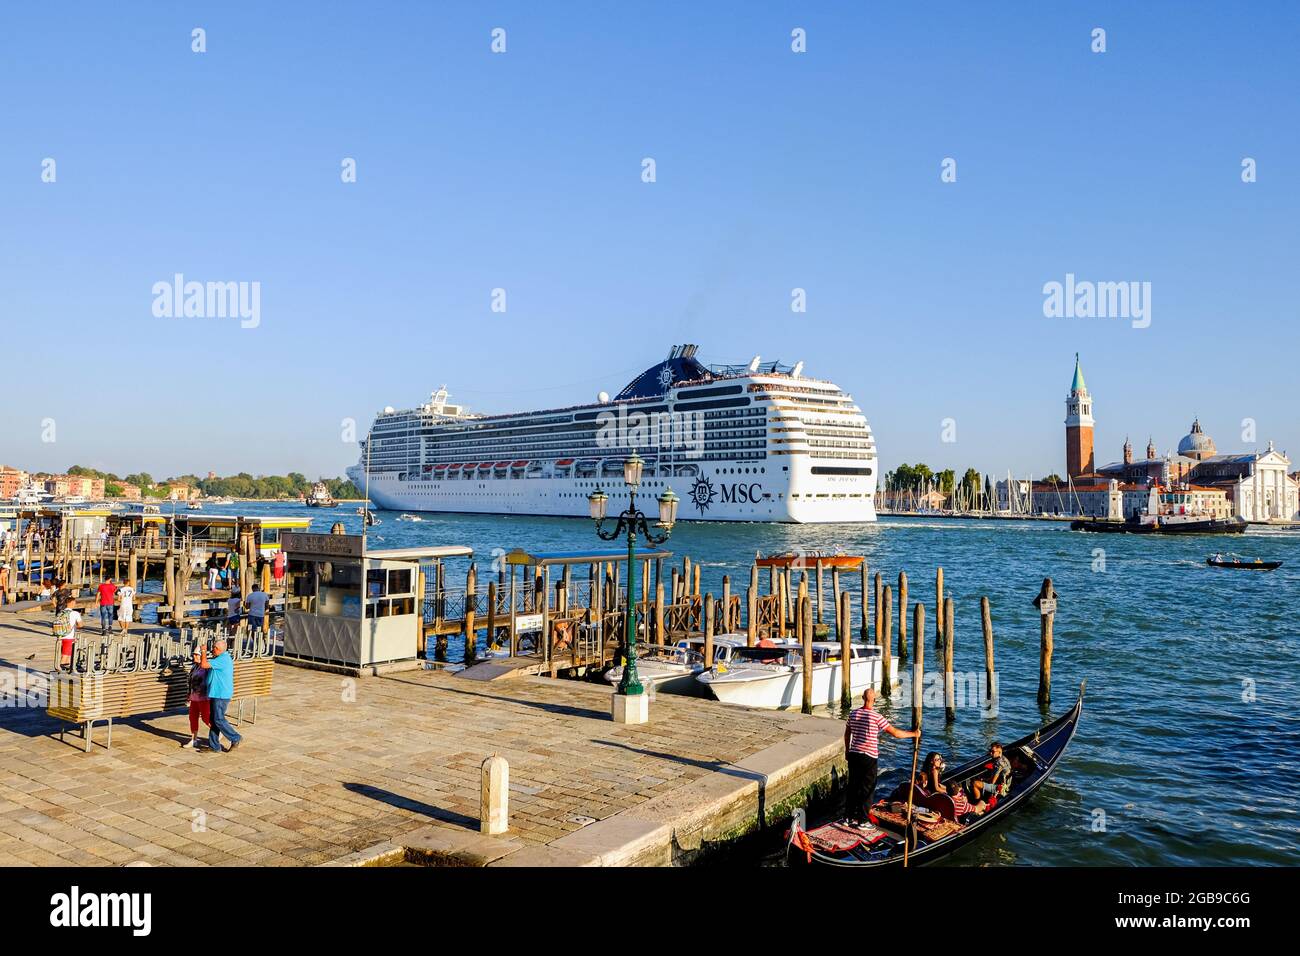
{"x": 1254, "y": 486}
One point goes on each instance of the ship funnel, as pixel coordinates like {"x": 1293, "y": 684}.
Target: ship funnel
{"x": 753, "y": 363}
{"x": 797, "y": 370}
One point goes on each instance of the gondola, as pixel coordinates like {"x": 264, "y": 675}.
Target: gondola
{"x": 1242, "y": 564}
{"x": 1033, "y": 758}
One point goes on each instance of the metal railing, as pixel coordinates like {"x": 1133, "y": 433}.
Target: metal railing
{"x": 162, "y": 651}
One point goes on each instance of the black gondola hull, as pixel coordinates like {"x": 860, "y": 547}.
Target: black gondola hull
{"x": 1048, "y": 743}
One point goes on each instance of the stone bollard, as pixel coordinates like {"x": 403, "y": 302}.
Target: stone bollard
{"x": 494, "y": 805}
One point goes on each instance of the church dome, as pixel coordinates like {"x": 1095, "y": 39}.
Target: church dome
{"x": 1196, "y": 444}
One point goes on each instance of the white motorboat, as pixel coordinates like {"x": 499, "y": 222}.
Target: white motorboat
{"x": 406, "y": 517}
{"x": 673, "y": 669}
{"x": 772, "y": 677}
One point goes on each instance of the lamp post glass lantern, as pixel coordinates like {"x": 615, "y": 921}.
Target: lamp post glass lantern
{"x": 631, "y": 523}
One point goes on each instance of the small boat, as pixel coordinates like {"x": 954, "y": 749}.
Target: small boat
{"x": 195, "y": 506}
{"x": 406, "y": 517}
{"x": 810, "y": 559}
{"x": 673, "y": 669}
{"x": 1161, "y": 525}
{"x": 935, "y": 834}
{"x": 1241, "y": 564}
{"x": 320, "y": 497}
{"x": 772, "y": 677}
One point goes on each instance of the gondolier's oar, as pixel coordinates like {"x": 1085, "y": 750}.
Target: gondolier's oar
{"x": 911, "y": 788}
{"x": 918, "y": 671}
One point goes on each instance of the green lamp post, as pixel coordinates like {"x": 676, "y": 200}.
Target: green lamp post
{"x": 631, "y": 523}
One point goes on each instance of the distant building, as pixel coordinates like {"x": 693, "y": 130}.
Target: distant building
{"x": 1078, "y": 426}
{"x": 11, "y": 480}
{"x": 65, "y": 486}
{"x": 130, "y": 492}
{"x": 1251, "y": 485}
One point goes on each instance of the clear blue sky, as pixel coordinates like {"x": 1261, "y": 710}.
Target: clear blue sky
{"x": 522, "y": 171}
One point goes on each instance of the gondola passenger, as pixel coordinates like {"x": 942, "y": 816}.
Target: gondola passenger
{"x": 961, "y": 803}
{"x": 931, "y": 771}
{"x": 996, "y": 780}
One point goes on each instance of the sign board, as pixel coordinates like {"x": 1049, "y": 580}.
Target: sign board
{"x": 321, "y": 545}
{"x": 528, "y": 622}
{"x": 1047, "y": 606}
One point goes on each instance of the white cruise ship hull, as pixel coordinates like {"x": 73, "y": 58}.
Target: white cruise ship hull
{"x": 823, "y": 500}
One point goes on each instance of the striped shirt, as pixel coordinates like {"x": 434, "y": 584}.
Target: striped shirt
{"x": 959, "y": 802}
{"x": 865, "y": 726}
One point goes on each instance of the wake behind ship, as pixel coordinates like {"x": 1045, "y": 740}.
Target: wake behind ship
{"x": 756, "y": 442}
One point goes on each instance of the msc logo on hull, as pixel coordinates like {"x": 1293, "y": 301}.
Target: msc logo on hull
{"x": 703, "y": 493}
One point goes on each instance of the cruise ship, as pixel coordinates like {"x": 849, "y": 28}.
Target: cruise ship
{"x": 755, "y": 442}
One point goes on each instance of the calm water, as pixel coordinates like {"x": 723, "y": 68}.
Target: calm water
{"x": 1187, "y": 751}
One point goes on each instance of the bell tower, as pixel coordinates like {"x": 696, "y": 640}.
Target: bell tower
{"x": 1078, "y": 426}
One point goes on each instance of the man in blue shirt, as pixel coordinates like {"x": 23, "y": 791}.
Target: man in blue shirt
{"x": 221, "y": 687}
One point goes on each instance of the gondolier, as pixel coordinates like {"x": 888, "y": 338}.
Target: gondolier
{"x": 861, "y": 750}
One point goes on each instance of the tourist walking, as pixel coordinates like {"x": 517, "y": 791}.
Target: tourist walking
{"x": 221, "y": 687}
{"x": 125, "y": 607}
{"x": 257, "y": 601}
{"x": 200, "y": 706}
{"x": 107, "y": 598}
{"x": 4, "y": 583}
{"x": 212, "y": 571}
{"x": 66, "y": 623}
{"x": 234, "y": 605}
{"x": 861, "y": 750}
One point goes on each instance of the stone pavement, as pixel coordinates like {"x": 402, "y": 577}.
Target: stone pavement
{"x": 343, "y": 770}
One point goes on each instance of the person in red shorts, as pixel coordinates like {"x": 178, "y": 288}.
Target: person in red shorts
{"x": 67, "y": 624}
{"x": 199, "y": 705}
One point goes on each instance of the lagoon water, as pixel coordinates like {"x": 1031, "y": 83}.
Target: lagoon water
{"x": 1187, "y": 750}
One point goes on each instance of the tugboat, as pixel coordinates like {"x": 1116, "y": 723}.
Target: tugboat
{"x": 320, "y": 497}
{"x": 1169, "y": 511}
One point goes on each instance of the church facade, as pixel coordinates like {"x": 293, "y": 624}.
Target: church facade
{"x": 1255, "y": 485}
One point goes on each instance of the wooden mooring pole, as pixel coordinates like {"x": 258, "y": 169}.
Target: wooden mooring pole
{"x": 902, "y": 617}
{"x": 806, "y": 623}
{"x": 708, "y": 631}
{"x": 845, "y": 624}
{"x": 938, "y": 608}
{"x": 949, "y": 692}
{"x": 918, "y": 663}
{"x": 986, "y": 622}
{"x": 1046, "y": 604}
{"x": 887, "y": 609}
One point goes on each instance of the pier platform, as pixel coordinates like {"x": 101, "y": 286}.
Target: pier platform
{"x": 375, "y": 770}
